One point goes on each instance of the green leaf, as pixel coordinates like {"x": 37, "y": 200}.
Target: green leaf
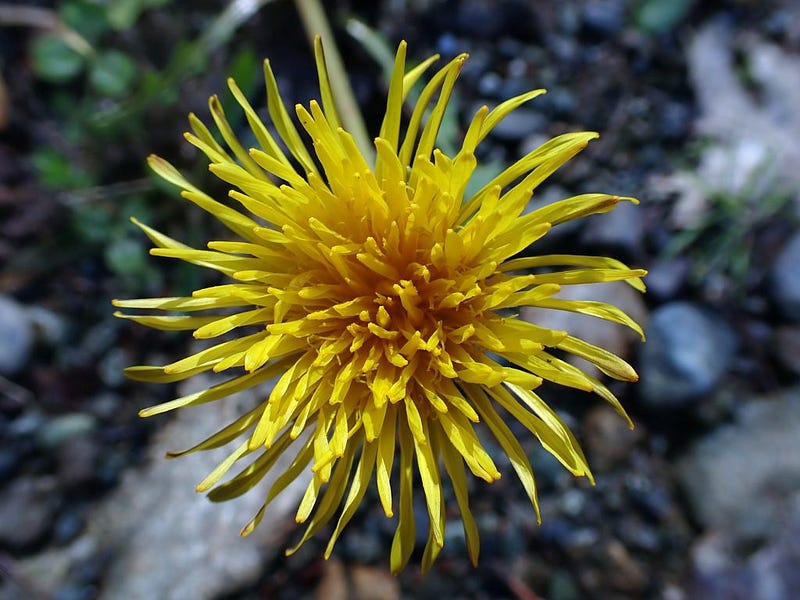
{"x": 246, "y": 70}
{"x": 188, "y": 59}
{"x": 376, "y": 44}
{"x": 92, "y": 224}
{"x": 87, "y": 18}
{"x": 54, "y": 171}
{"x": 112, "y": 73}
{"x": 53, "y": 60}
{"x": 123, "y": 14}
{"x": 125, "y": 256}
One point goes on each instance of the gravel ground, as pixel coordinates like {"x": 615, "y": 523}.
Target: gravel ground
{"x": 697, "y": 106}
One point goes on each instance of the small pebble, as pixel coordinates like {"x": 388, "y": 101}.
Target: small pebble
{"x": 621, "y": 231}
{"x": 49, "y": 326}
{"x": 111, "y": 367}
{"x": 16, "y": 334}
{"x": 785, "y": 277}
{"x": 9, "y": 462}
{"x": 787, "y": 347}
{"x": 519, "y": 124}
{"x": 27, "y": 511}
{"x": 688, "y": 350}
{"x": 666, "y": 278}
{"x": 67, "y": 527}
{"x": 64, "y": 428}
{"x": 77, "y": 462}
{"x": 739, "y": 478}
{"x": 604, "y": 17}
{"x": 26, "y": 425}
{"x": 489, "y": 84}
{"x": 608, "y": 438}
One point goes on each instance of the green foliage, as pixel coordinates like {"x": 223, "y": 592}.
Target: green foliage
{"x": 87, "y": 18}
{"x": 105, "y": 90}
{"x": 53, "y": 60}
{"x": 78, "y": 50}
{"x": 55, "y": 171}
{"x": 126, "y": 257}
{"x": 722, "y": 242}
{"x": 375, "y": 44}
{"x": 122, "y": 14}
{"x": 112, "y": 73}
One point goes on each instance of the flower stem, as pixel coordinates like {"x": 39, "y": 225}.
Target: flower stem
{"x": 316, "y": 23}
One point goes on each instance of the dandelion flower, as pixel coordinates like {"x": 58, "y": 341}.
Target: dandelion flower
{"x": 382, "y": 301}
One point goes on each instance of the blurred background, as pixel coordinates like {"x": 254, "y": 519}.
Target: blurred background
{"x": 698, "y": 106}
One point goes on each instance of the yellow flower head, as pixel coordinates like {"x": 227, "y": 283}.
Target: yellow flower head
{"x": 382, "y": 300}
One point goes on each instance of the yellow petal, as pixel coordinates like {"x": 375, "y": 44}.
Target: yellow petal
{"x": 507, "y": 440}
{"x": 385, "y": 459}
{"x": 357, "y": 490}
{"x": 455, "y": 470}
{"x": 330, "y": 498}
{"x": 609, "y": 363}
{"x": 405, "y": 534}
{"x": 248, "y": 477}
{"x": 428, "y": 467}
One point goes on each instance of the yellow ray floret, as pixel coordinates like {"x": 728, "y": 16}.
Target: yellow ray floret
{"x": 379, "y": 299}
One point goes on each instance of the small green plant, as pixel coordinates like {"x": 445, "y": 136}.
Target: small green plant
{"x": 77, "y": 50}
{"x": 722, "y": 240}
{"x": 103, "y": 91}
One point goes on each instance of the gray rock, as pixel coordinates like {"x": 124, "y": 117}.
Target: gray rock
{"x": 169, "y": 541}
{"x": 738, "y": 478}
{"x": 787, "y": 347}
{"x": 564, "y": 48}
{"x": 64, "y": 428}
{"x": 519, "y": 124}
{"x": 666, "y": 277}
{"x": 105, "y": 405}
{"x": 770, "y": 573}
{"x": 50, "y": 327}
{"x": 675, "y": 120}
{"x": 772, "y": 122}
{"x": 9, "y": 460}
{"x": 448, "y": 44}
{"x": 16, "y": 334}
{"x": 560, "y": 102}
{"x": 67, "y": 527}
{"x": 111, "y": 367}
{"x": 563, "y": 586}
{"x": 77, "y": 462}
{"x": 489, "y": 84}
{"x": 785, "y": 277}
{"x": 47, "y": 574}
{"x": 363, "y": 547}
{"x": 687, "y": 352}
{"x": 621, "y": 229}
{"x": 480, "y": 19}
{"x": 26, "y": 425}
{"x": 608, "y": 439}
{"x": 27, "y": 511}
{"x": 605, "y": 17}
